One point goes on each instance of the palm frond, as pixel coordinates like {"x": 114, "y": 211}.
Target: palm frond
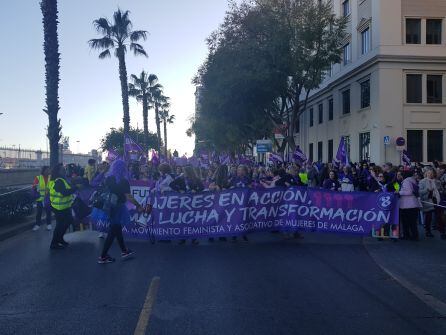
{"x": 153, "y": 79}
{"x": 105, "y": 54}
{"x": 103, "y": 26}
{"x": 101, "y": 43}
{"x": 122, "y": 24}
{"x": 138, "y": 49}
{"x": 137, "y": 35}
{"x": 134, "y": 78}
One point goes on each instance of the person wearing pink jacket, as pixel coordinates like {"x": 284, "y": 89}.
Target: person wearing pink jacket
{"x": 409, "y": 206}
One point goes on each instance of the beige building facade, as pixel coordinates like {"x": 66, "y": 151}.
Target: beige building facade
{"x": 390, "y": 83}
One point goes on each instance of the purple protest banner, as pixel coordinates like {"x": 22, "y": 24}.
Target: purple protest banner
{"x": 241, "y": 211}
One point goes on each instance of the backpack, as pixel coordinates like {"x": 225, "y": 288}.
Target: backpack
{"x": 105, "y": 200}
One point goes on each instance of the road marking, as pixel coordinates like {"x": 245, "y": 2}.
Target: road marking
{"x": 425, "y": 296}
{"x": 144, "y": 316}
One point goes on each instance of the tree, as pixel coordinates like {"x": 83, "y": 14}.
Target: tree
{"x": 159, "y": 102}
{"x": 119, "y": 36}
{"x": 114, "y": 139}
{"x": 142, "y": 88}
{"x": 167, "y": 118}
{"x": 52, "y": 61}
{"x": 315, "y": 37}
{"x": 263, "y": 62}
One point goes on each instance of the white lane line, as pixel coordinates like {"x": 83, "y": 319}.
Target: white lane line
{"x": 144, "y": 316}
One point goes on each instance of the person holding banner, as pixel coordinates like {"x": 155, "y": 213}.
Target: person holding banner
{"x": 117, "y": 184}
{"x": 409, "y": 206}
{"x": 241, "y": 180}
{"x": 163, "y": 183}
{"x": 188, "y": 183}
{"x": 332, "y": 182}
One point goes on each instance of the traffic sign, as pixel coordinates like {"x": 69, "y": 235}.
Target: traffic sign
{"x": 264, "y": 146}
{"x": 386, "y": 140}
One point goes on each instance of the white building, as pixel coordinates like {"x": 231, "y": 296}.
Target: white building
{"x": 391, "y": 82}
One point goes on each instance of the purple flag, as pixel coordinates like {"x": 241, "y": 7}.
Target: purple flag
{"x": 406, "y": 158}
{"x": 299, "y": 155}
{"x": 275, "y": 158}
{"x": 341, "y": 156}
{"x": 155, "y": 158}
{"x": 112, "y": 155}
{"x": 225, "y": 159}
{"x": 132, "y": 150}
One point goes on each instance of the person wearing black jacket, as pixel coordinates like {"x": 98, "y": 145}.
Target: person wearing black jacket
{"x": 61, "y": 197}
{"x": 188, "y": 182}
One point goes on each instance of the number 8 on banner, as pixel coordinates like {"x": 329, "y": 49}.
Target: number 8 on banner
{"x": 385, "y": 201}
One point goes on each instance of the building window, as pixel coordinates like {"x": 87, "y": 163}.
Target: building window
{"x": 321, "y": 113}
{"x": 330, "y": 109}
{"x": 415, "y": 145}
{"x": 330, "y": 150}
{"x": 433, "y": 31}
{"x": 364, "y": 147}
{"x": 311, "y": 152}
{"x": 434, "y": 89}
{"x": 365, "y": 94}
{"x": 414, "y": 88}
{"x": 413, "y": 31}
{"x": 347, "y": 54}
{"x": 435, "y": 145}
{"x": 320, "y": 152}
{"x": 346, "y": 7}
{"x": 311, "y": 117}
{"x": 365, "y": 41}
{"x": 346, "y": 102}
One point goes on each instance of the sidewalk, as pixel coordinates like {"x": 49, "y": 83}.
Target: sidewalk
{"x": 420, "y": 266}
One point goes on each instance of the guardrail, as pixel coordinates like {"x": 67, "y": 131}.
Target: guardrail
{"x": 15, "y": 204}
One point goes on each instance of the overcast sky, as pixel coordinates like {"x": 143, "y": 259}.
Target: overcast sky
{"x": 90, "y": 95}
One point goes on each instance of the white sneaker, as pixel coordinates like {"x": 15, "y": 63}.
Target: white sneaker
{"x": 101, "y": 235}
{"x": 49, "y": 227}
{"x": 36, "y": 228}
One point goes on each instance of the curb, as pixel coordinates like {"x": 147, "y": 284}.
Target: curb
{"x": 423, "y": 295}
{"x": 16, "y": 229}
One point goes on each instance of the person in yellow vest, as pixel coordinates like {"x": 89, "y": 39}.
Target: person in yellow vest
{"x": 40, "y": 186}
{"x": 62, "y": 198}
{"x": 90, "y": 170}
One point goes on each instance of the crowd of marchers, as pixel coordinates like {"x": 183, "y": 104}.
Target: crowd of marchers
{"x": 420, "y": 189}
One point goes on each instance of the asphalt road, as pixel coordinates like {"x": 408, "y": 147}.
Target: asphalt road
{"x": 320, "y": 285}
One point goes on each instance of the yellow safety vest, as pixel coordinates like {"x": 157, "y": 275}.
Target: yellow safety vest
{"x": 42, "y": 187}
{"x": 58, "y": 201}
{"x": 304, "y": 178}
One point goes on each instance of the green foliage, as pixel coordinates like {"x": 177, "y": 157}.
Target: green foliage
{"x": 114, "y": 139}
{"x": 265, "y": 55}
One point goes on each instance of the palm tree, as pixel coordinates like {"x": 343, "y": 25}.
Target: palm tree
{"x": 167, "y": 118}
{"x": 159, "y": 102}
{"x": 142, "y": 88}
{"x": 52, "y": 61}
{"x": 119, "y": 36}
